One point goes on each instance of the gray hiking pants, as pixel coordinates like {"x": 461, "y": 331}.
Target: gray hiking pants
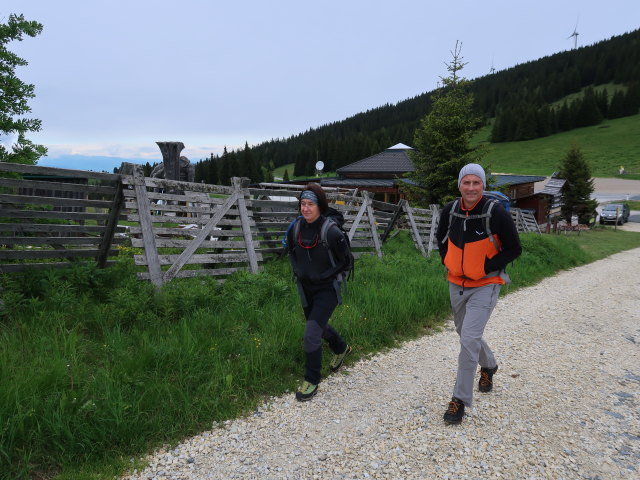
{"x": 472, "y": 308}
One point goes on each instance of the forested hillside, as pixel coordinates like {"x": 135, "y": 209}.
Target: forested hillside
{"x": 558, "y": 93}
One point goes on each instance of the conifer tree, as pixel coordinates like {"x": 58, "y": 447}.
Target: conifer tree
{"x": 285, "y": 177}
{"x": 213, "y": 170}
{"x": 617, "y": 107}
{"x": 14, "y": 95}
{"x": 564, "y": 118}
{"x": 576, "y": 193}
{"x": 588, "y": 112}
{"x": 632, "y": 98}
{"x": 442, "y": 139}
{"x": 250, "y": 167}
{"x": 225, "y": 168}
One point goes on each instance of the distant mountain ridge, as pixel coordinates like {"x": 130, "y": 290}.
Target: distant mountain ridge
{"x": 93, "y": 163}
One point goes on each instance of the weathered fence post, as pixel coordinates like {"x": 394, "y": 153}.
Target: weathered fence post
{"x": 435, "y": 219}
{"x": 414, "y": 228}
{"x": 146, "y": 225}
{"x": 394, "y": 220}
{"x": 112, "y": 224}
{"x": 241, "y": 186}
{"x": 372, "y": 222}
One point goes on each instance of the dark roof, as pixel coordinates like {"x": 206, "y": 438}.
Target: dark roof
{"x": 553, "y": 186}
{"x": 392, "y": 160}
{"x": 358, "y": 182}
{"x": 499, "y": 180}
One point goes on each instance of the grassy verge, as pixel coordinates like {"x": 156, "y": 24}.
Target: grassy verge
{"x": 97, "y": 368}
{"x": 606, "y": 147}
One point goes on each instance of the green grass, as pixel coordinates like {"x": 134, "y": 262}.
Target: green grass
{"x": 611, "y": 89}
{"x": 606, "y": 147}
{"x": 278, "y": 172}
{"x": 97, "y": 368}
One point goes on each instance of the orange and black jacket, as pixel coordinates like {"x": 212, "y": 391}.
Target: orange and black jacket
{"x": 471, "y": 258}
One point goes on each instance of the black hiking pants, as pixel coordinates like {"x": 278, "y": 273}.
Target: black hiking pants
{"x": 321, "y": 304}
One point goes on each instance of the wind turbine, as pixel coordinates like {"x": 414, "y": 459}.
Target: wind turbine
{"x": 575, "y": 36}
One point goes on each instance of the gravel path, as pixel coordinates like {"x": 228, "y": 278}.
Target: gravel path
{"x": 566, "y": 402}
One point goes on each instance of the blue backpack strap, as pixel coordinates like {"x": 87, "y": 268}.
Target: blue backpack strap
{"x": 293, "y": 223}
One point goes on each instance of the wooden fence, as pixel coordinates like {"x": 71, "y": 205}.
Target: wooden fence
{"x": 57, "y": 216}
{"x": 423, "y": 224}
{"x": 184, "y": 229}
{"x": 525, "y": 221}
{"x": 189, "y": 229}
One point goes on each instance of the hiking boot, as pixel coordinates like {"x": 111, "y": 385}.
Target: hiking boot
{"x": 485, "y": 384}
{"x": 338, "y": 359}
{"x": 306, "y": 391}
{"x": 455, "y": 412}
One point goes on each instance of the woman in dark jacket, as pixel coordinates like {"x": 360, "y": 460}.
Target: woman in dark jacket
{"x": 315, "y": 269}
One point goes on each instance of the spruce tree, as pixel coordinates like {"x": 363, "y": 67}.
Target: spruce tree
{"x": 576, "y": 193}
{"x": 442, "y": 140}
{"x": 588, "y": 111}
{"x": 226, "y": 167}
{"x": 250, "y": 167}
{"x": 14, "y": 95}
{"x": 617, "y": 107}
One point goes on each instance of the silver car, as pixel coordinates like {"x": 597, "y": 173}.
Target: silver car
{"x": 615, "y": 213}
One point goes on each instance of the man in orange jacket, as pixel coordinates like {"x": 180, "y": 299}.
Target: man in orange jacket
{"x": 477, "y": 239}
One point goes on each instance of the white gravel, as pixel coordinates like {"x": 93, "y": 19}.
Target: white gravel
{"x": 565, "y": 403}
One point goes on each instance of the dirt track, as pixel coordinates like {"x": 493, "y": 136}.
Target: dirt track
{"x": 617, "y": 185}
{"x": 607, "y": 186}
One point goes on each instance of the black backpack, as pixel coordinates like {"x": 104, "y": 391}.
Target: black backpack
{"x": 333, "y": 219}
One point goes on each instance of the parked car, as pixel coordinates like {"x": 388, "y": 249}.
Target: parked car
{"x": 615, "y": 213}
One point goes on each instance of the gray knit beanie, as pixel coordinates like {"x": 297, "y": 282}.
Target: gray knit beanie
{"x": 472, "y": 169}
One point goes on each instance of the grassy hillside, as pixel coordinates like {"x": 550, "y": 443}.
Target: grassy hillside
{"x": 606, "y": 147}
{"x": 278, "y": 172}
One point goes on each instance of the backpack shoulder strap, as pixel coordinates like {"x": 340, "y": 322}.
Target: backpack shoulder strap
{"x": 324, "y": 230}
{"x": 486, "y": 211}
{"x": 451, "y": 215}
{"x": 295, "y": 224}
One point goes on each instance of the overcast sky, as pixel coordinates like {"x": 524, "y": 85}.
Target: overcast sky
{"x": 112, "y": 78}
